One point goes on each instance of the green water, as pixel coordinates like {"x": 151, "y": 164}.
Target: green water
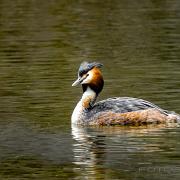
{"x": 42, "y": 44}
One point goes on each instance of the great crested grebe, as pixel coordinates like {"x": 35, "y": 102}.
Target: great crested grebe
{"x": 113, "y": 111}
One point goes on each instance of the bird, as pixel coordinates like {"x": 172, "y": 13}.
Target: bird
{"x": 116, "y": 110}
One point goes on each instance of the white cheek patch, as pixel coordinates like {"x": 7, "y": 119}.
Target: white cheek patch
{"x": 88, "y": 78}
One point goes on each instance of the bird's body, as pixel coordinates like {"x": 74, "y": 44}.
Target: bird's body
{"x": 113, "y": 111}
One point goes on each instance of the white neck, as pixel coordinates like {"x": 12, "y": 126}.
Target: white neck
{"x": 87, "y": 100}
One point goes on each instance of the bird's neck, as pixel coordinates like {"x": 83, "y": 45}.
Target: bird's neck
{"x": 84, "y": 105}
{"x": 88, "y": 98}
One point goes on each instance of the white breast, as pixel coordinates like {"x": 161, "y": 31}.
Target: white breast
{"x": 77, "y": 113}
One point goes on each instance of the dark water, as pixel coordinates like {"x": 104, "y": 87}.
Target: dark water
{"x": 41, "y": 46}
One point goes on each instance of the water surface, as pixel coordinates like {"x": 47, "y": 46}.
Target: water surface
{"x": 41, "y": 46}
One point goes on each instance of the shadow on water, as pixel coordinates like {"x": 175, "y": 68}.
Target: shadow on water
{"x": 41, "y": 46}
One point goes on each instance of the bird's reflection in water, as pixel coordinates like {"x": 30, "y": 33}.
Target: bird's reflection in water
{"x": 99, "y": 151}
{"x": 89, "y": 151}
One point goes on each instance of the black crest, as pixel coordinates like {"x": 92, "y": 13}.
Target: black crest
{"x": 87, "y": 66}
